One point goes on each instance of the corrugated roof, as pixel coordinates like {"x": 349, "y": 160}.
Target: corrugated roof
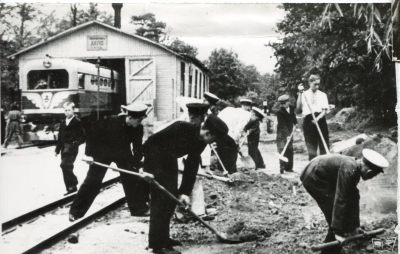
{"x": 76, "y": 28}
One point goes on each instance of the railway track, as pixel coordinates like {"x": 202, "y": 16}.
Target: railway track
{"x": 41, "y": 228}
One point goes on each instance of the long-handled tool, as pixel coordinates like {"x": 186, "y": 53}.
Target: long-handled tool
{"x": 220, "y": 162}
{"x": 246, "y": 160}
{"x": 220, "y": 178}
{"x": 316, "y": 124}
{"x": 347, "y": 240}
{"x": 221, "y": 236}
{"x": 280, "y": 156}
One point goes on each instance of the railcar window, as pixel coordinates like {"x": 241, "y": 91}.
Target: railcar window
{"x": 81, "y": 83}
{"x": 48, "y": 79}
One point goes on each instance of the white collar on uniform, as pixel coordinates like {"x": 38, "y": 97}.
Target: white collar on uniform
{"x": 68, "y": 120}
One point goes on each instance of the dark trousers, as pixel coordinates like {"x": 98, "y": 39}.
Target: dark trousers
{"x": 11, "y": 129}
{"x": 312, "y": 137}
{"x": 326, "y": 203}
{"x": 162, "y": 208}
{"x": 136, "y": 190}
{"x": 67, "y": 167}
{"x": 228, "y": 152}
{"x": 286, "y": 166}
{"x": 254, "y": 152}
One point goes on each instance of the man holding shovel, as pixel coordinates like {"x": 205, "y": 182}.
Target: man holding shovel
{"x": 332, "y": 181}
{"x": 253, "y": 138}
{"x": 161, "y": 152}
{"x": 314, "y": 102}
{"x": 110, "y": 140}
{"x": 286, "y": 123}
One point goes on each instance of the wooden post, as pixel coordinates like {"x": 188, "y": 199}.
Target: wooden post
{"x": 98, "y": 88}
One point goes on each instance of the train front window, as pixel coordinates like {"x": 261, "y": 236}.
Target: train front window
{"x": 48, "y": 79}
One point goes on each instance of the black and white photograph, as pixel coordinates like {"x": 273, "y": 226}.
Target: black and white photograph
{"x": 199, "y": 127}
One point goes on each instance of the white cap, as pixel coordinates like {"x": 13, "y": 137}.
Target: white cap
{"x": 374, "y": 160}
{"x": 246, "y": 101}
{"x": 259, "y": 111}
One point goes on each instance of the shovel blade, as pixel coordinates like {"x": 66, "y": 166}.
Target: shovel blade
{"x": 282, "y": 158}
{"x": 248, "y": 162}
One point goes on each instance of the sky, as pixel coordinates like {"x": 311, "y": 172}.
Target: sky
{"x": 244, "y": 28}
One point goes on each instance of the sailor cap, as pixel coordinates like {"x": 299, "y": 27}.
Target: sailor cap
{"x": 211, "y": 98}
{"x": 374, "y": 160}
{"x": 135, "y": 110}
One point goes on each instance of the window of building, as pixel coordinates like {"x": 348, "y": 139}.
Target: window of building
{"x": 182, "y": 78}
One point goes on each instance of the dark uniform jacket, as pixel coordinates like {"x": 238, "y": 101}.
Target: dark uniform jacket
{"x": 286, "y": 122}
{"x": 333, "y": 179}
{"x": 112, "y": 138}
{"x": 253, "y": 126}
{"x": 178, "y": 139}
{"x": 70, "y": 137}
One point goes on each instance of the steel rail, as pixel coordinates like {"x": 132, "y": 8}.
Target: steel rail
{"x": 27, "y": 217}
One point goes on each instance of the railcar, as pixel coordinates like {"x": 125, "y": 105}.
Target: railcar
{"x": 47, "y": 84}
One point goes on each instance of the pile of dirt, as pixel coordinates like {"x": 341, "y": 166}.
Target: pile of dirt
{"x": 269, "y": 209}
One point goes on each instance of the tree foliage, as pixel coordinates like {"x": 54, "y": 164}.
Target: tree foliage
{"x": 149, "y": 28}
{"x": 182, "y": 47}
{"x": 331, "y": 41}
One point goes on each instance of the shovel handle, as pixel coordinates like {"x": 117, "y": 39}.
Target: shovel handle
{"x": 216, "y": 154}
{"x": 316, "y": 124}
{"x": 166, "y": 192}
{"x": 347, "y": 240}
{"x": 287, "y": 143}
{"x": 244, "y": 139}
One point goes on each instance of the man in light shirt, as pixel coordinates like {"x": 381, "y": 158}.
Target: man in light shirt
{"x": 318, "y": 102}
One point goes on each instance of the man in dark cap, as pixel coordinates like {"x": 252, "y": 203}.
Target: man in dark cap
{"x": 109, "y": 140}
{"x": 197, "y": 112}
{"x": 253, "y": 138}
{"x": 332, "y": 181}
{"x": 161, "y": 152}
{"x": 286, "y": 122}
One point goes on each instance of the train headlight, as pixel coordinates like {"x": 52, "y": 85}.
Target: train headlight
{"x": 47, "y": 62}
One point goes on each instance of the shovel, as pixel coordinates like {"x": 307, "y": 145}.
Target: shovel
{"x": 316, "y": 124}
{"x": 219, "y": 160}
{"x": 280, "y": 156}
{"x": 220, "y": 178}
{"x": 150, "y": 178}
{"x": 347, "y": 240}
{"x": 246, "y": 160}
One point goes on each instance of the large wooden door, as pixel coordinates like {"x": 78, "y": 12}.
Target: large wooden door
{"x": 141, "y": 83}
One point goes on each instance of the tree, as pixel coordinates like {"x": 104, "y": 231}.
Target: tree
{"x": 337, "y": 48}
{"x": 149, "y": 28}
{"x": 226, "y": 78}
{"x": 181, "y": 47}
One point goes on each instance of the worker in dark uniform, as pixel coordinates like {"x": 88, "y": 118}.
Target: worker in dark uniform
{"x": 70, "y": 137}
{"x": 197, "y": 112}
{"x": 3, "y": 125}
{"x": 13, "y": 127}
{"x": 332, "y": 181}
{"x": 161, "y": 152}
{"x": 253, "y": 138}
{"x": 109, "y": 140}
{"x": 286, "y": 122}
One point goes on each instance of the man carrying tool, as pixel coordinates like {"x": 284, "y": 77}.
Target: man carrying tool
{"x": 253, "y": 138}
{"x": 314, "y": 102}
{"x": 332, "y": 181}
{"x": 161, "y": 152}
{"x": 110, "y": 140}
{"x": 286, "y": 122}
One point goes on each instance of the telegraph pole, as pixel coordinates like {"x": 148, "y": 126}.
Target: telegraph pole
{"x": 98, "y": 88}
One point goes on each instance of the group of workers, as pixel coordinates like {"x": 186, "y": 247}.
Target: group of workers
{"x": 330, "y": 179}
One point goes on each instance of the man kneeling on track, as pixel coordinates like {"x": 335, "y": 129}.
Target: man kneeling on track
{"x": 110, "y": 140}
